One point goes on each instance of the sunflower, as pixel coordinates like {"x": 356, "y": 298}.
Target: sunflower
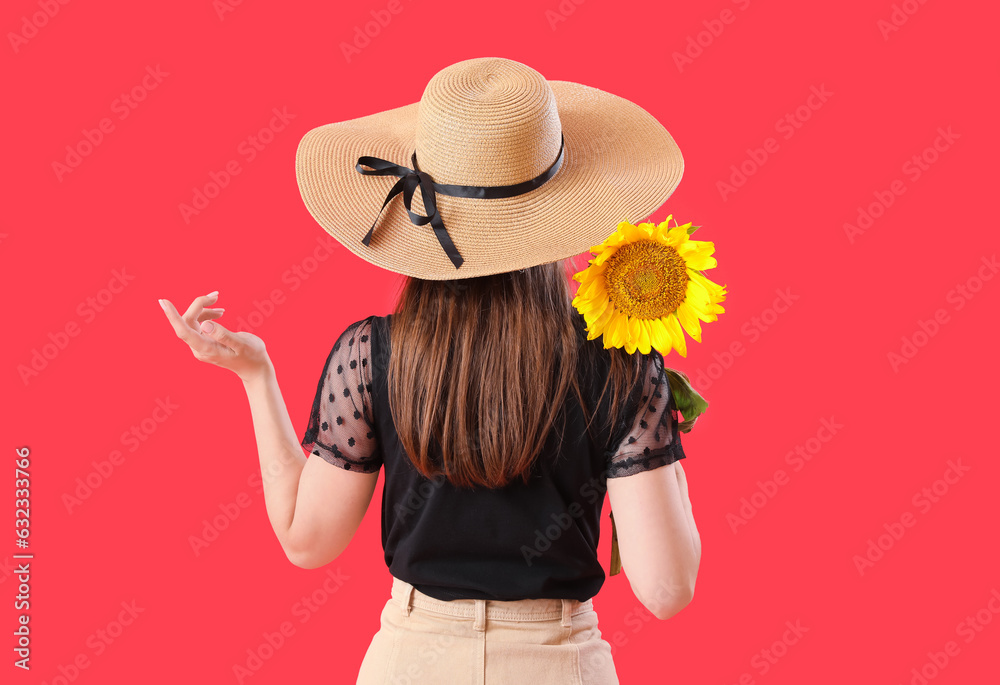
{"x": 645, "y": 287}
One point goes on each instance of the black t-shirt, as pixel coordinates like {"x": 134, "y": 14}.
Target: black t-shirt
{"x": 522, "y": 541}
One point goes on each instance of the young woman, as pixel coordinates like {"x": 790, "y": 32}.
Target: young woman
{"x": 499, "y": 425}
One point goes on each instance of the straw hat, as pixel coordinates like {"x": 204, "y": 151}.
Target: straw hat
{"x": 498, "y": 169}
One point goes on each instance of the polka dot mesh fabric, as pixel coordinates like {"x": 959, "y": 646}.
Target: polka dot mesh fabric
{"x": 653, "y": 439}
{"x": 342, "y": 430}
{"x": 341, "y": 427}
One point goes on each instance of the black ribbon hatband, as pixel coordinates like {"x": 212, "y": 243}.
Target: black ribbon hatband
{"x": 410, "y": 179}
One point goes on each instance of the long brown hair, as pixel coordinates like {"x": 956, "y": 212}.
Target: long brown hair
{"x": 480, "y": 368}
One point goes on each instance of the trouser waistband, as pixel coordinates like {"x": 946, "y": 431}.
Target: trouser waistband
{"x": 480, "y": 610}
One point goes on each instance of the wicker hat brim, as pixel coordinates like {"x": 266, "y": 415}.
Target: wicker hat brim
{"x": 620, "y": 164}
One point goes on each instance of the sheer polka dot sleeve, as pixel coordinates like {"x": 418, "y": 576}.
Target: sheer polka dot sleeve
{"x": 341, "y": 426}
{"x": 654, "y": 439}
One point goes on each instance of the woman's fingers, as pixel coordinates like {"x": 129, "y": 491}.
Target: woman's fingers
{"x": 239, "y": 351}
{"x": 242, "y": 353}
{"x": 211, "y": 313}
{"x": 181, "y": 327}
{"x": 200, "y": 344}
{"x": 194, "y": 312}
{"x": 221, "y": 335}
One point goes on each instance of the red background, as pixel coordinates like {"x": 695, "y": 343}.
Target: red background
{"x": 826, "y": 355}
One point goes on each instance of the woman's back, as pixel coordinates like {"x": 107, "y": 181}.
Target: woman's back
{"x": 523, "y": 540}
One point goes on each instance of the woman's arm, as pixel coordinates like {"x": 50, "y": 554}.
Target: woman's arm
{"x": 695, "y": 536}
{"x": 281, "y": 457}
{"x": 657, "y": 545}
{"x": 314, "y": 507}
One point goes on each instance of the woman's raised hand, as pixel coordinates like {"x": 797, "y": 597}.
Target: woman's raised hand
{"x": 242, "y": 353}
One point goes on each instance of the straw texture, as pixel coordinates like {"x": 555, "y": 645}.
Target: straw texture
{"x": 491, "y": 121}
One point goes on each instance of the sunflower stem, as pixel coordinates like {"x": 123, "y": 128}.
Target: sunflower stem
{"x": 616, "y": 560}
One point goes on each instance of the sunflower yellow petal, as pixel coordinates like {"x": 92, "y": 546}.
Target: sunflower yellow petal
{"x": 611, "y": 329}
{"x": 588, "y": 272}
{"x": 600, "y": 325}
{"x": 588, "y": 288}
{"x": 658, "y": 336}
{"x": 633, "y": 335}
{"x": 716, "y": 292}
{"x": 699, "y": 261}
{"x": 689, "y": 319}
{"x": 643, "y": 343}
{"x": 707, "y": 318}
{"x": 619, "y": 329}
{"x": 596, "y": 290}
{"x": 604, "y": 255}
{"x": 677, "y": 236}
{"x": 696, "y": 295}
{"x": 698, "y": 254}
{"x": 594, "y": 312}
{"x": 594, "y": 302}
{"x": 696, "y": 247}
{"x": 676, "y": 334}
{"x": 591, "y": 316}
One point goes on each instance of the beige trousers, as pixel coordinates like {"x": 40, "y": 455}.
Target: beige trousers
{"x": 426, "y": 641}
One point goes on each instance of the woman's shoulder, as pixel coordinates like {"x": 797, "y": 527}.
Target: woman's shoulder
{"x": 360, "y": 327}
{"x": 370, "y": 334}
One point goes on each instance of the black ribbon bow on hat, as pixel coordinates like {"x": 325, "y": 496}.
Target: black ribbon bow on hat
{"x": 410, "y": 179}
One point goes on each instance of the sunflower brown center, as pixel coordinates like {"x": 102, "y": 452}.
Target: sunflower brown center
{"x": 646, "y": 279}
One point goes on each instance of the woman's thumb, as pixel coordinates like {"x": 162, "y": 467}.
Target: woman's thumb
{"x": 214, "y": 330}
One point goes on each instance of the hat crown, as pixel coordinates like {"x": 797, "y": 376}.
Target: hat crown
{"x": 486, "y": 122}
